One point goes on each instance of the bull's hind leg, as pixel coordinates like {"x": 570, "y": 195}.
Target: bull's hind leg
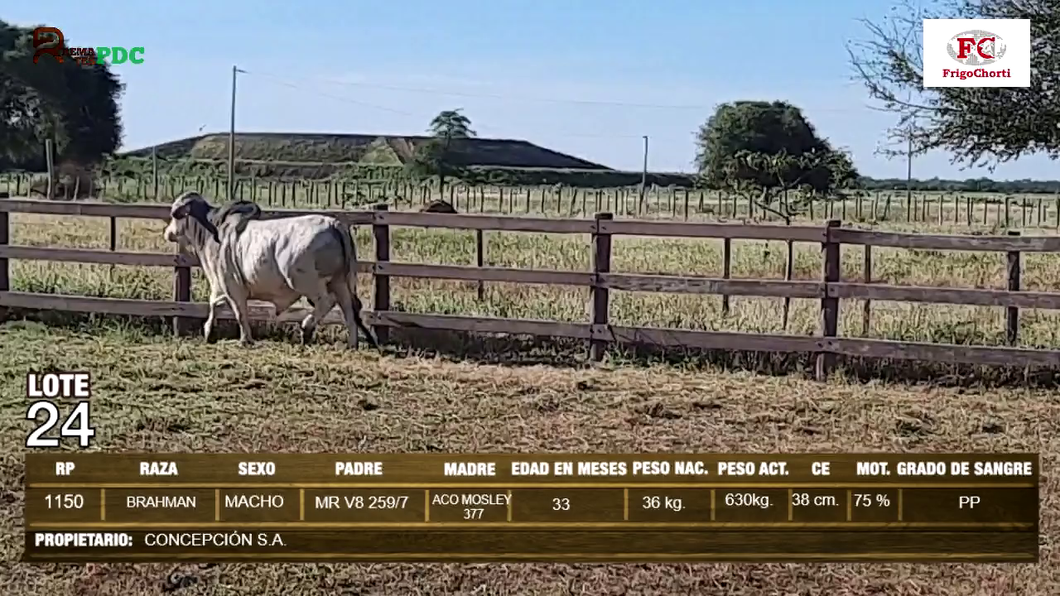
{"x": 322, "y": 303}
{"x": 351, "y": 311}
{"x": 357, "y": 308}
{"x": 237, "y": 299}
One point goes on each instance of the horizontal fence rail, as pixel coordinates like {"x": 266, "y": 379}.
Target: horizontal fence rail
{"x": 598, "y": 331}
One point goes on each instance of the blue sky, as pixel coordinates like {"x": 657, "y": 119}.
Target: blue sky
{"x": 584, "y": 77}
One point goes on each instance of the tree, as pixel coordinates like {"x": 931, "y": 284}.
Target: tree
{"x": 435, "y": 157}
{"x": 979, "y": 126}
{"x": 451, "y": 124}
{"x": 76, "y": 106}
{"x": 760, "y": 149}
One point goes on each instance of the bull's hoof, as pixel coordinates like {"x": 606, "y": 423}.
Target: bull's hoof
{"x": 307, "y": 335}
{"x": 246, "y": 342}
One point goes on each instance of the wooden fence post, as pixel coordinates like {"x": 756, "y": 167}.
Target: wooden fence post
{"x": 182, "y": 293}
{"x": 480, "y": 258}
{"x": 600, "y": 295}
{"x": 113, "y": 242}
{"x": 113, "y": 233}
{"x": 154, "y": 173}
{"x": 5, "y": 239}
{"x": 789, "y": 274}
{"x": 381, "y": 299}
{"x": 829, "y": 305}
{"x": 866, "y": 307}
{"x": 1012, "y": 323}
{"x": 49, "y": 156}
{"x": 726, "y": 271}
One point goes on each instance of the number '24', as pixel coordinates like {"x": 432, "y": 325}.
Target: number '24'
{"x": 83, "y": 430}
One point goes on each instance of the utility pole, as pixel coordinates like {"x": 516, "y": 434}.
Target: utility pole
{"x": 232, "y": 139}
{"x": 643, "y": 177}
{"x": 908, "y": 176}
{"x": 909, "y": 166}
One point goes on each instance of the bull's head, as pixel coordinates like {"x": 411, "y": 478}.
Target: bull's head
{"x": 193, "y": 220}
{"x": 189, "y": 211}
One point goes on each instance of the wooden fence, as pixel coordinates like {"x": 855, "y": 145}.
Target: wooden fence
{"x": 598, "y": 332}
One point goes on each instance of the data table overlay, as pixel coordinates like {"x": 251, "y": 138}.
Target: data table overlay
{"x": 141, "y": 507}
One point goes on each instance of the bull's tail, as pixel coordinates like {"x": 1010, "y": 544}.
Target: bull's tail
{"x": 349, "y": 258}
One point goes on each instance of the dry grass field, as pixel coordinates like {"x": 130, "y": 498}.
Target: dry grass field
{"x": 153, "y": 393}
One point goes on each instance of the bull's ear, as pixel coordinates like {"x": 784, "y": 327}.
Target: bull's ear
{"x": 183, "y": 205}
{"x": 180, "y": 210}
{"x": 200, "y": 211}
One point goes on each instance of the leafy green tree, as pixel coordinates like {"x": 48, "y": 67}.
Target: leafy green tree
{"x": 977, "y": 125}
{"x": 436, "y": 156}
{"x": 768, "y": 130}
{"x": 76, "y": 106}
{"x": 761, "y": 150}
{"x": 451, "y": 124}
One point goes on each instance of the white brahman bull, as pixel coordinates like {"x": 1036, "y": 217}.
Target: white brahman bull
{"x": 275, "y": 260}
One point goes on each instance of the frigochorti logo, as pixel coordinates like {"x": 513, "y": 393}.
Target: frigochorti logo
{"x": 976, "y": 49}
{"x": 976, "y": 53}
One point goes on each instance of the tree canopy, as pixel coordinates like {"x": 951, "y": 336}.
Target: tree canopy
{"x": 74, "y": 105}
{"x": 434, "y": 157}
{"x": 977, "y": 125}
{"x": 451, "y": 124}
{"x": 769, "y": 145}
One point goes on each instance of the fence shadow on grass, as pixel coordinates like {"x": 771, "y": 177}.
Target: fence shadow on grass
{"x": 570, "y": 353}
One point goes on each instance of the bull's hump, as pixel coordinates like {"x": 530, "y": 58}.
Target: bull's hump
{"x": 309, "y": 219}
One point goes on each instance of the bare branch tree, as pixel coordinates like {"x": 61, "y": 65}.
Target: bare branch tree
{"x": 978, "y": 126}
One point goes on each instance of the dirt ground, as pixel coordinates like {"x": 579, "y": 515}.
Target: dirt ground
{"x": 158, "y": 394}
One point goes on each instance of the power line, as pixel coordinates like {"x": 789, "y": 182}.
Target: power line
{"x": 276, "y": 80}
{"x": 491, "y": 130}
{"x": 334, "y": 97}
{"x": 435, "y": 91}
